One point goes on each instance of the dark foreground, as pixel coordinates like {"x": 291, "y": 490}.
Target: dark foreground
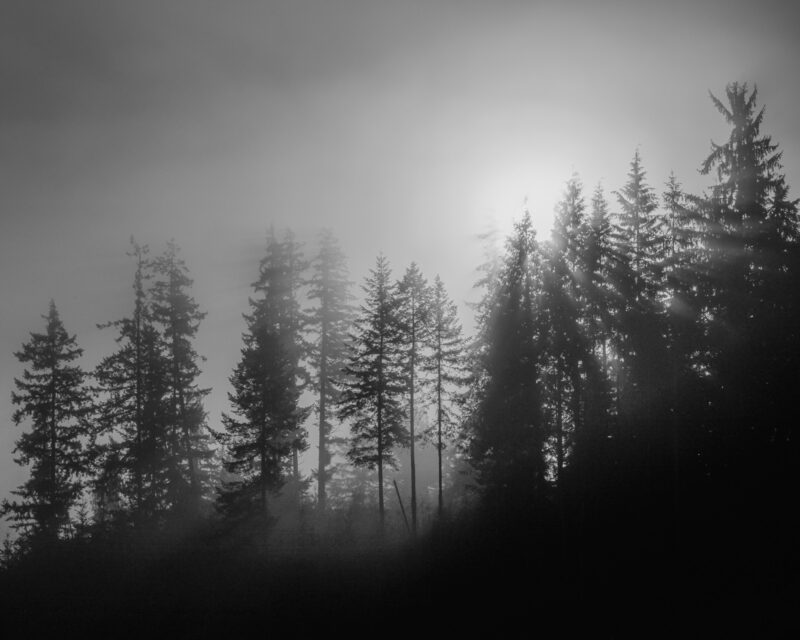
{"x": 499, "y": 574}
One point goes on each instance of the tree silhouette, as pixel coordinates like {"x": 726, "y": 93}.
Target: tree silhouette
{"x": 130, "y": 447}
{"x": 178, "y": 317}
{"x": 750, "y": 229}
{"x": 414, "y": 318}
{"x": 263, "y": 437}
{"x": 506, "y": 422}
{"x": 375, "y": 382}
{"x": 446, "y": 370}
{"x": 53, "y": 395}
{"x": 329, "y": 323}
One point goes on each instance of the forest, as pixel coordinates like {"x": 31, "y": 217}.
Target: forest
{"x": 615, "y": 439}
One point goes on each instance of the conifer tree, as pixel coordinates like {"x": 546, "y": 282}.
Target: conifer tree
{"x": 178, "y": 317}
{"x": 129, "y": 446}
{"x": 263, "y": 434}
{"x": 375, "y": 382}
{"x": 52, "y": 394}
{"x": 639, "y": 331}
{"x": 506, "y": 425}
{"x": 446, "y": 370}
{"x": 329, "y": 323}
{"x": 641, "y": 237}
{"x": 750, "y": 230}
{"x": 291, "y": 279}
{"x": 414, "y": 316}
{"x": 599, "y": 299}
{"x": 681, "y": 278}
{"x": 599, "y": 263}
{"x": 565, "y": 285}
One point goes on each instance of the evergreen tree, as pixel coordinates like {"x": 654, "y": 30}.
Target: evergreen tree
{"x": 329, "y": 323}
{"x": 179, "y": 317}
{"x": 375, "y": 383}
{"x": 600, "y": 264}
{"x": 446, "y": 371}
{"x": 414, "y": 316}
{"x": 289, "y": 276}
{"x": 684, "y": 328}
{"x": 265, "y": 434}
{"x": 52, "y": 394}
{"x": 506, "y": 425}
{"x": 128, "y": 443}
{"x": 641, "y": 233}
{"x": 750, "y": 257}
{"x": 639, "y": 331}
{"x": 565, "y": 286}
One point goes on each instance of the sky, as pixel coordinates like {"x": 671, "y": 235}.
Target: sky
{"x": 406, "y": 127}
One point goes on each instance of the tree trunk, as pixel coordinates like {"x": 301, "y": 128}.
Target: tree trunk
{"x": 53, "y": 524}
{"x": 323, "y": 445}
{"x": 411, "y": 422}
{"x": 439, "y": 428}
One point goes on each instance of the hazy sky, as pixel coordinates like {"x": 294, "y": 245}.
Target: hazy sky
{"x": 404, "y": 126}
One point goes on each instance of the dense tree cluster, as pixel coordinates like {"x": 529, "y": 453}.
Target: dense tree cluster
{"x": 647, "y": 357}
{"x": 645, "y": 354}
{"x": 128, "y": 447}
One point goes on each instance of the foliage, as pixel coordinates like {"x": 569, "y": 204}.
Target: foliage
{"x": 52, "y": 394}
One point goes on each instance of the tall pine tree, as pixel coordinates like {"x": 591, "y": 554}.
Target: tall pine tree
{"x": 129, "y": 447}
{"x": 446, "y": 370}
{"x": 263, "y": 436}
{"x": 328, "y": 321}
{"x": 189, "y": 451}
{"x": 506, "y": 426}
{"x": 414, "y": 316}
{"x": 375, "y": 382}
{"x": 52, "y": 394}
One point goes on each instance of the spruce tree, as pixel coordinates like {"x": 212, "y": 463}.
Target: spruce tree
{"x": 505, "y": 422}
{"x": 52, "y": 394}
{"x": 566, "y": 291}
{"x": 263, "y": 433}
{"x": 178, "y": 317}
{"x": 375, "y": 380}
{"x": 750, "y": 246}
{"x": 446, "y": 370}
{"x": 290, "y": 274}
{"x": 642, "y": 369}
{"x": 328, "y": 322}
{"x": 600, "y": 262}
{"x": 641, "y": 233}
{"x": 128, "y": 445}
{"x": 414, "y": 316}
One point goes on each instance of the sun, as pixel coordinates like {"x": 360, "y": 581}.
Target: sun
{"x": 510, "y": 190}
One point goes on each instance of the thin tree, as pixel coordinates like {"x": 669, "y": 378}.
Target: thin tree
{"x": 375, "y": 382}
{"x": 446, "y": 369}
{"x": 414, "y": 316}
{"x": 329, "y": 321}
{"x": 565, "y": 286}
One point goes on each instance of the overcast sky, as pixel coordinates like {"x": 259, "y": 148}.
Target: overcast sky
{"x": 404, "y": 126}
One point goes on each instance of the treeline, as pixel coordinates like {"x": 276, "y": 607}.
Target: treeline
{"x": 127, "y": 447}
{"x": 637, "y": 370}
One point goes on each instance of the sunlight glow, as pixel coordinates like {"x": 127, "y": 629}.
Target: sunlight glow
{"x": 508, "y": 191}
